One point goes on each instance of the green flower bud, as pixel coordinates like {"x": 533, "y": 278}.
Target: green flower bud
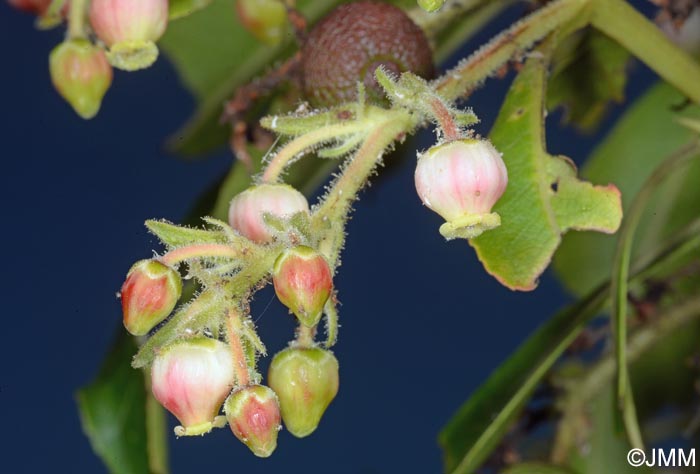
{"x": 81, "y": 74}
{"x": 306, "y": 381}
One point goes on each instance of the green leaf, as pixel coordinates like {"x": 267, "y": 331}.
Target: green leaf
{"x": 536, "y": 468}
{"x": 126, "y": 427}
{"x": 588, "y": 73}
{"x": 182, "y": 8}
{"x": 177, "y": 236}
{"x": 544, "y": 198}
{"x": 637, "y": 144}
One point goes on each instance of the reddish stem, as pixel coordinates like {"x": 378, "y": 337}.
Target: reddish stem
{"x": 199, "y": 251}
{"x": 445, "y": 121}
{"x": 240, "y": 364}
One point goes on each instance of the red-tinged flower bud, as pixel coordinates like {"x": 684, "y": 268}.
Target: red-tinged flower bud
{"x": 306, "y": 382}
{"x": 303, "y": 282}
{"x": 149, "y": 294}
{"x": 81, "y": 74}
{"x": 264, "y": 19}
{"x": 253, "y": 413}
{"x": 248, "y": 209}
{"x": 37, "y": 7}
{"x": 130, "y": 29}
{"x": 191, "y": 379}
{"x": 461, "y": 181}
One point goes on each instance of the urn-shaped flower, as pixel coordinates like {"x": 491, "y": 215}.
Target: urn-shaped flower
{"x": 247, "y": 210}
{"x": 306, "y": 381}
{"x": 149, "y": 294}
{"x": 303, "y": 282}
{"x": 130, "y": 29}
{"x": 191, "y": 379}
{"x": 462, "y": 180}
{"x": 81, "y": 74}
{"x": 253, "y": 414}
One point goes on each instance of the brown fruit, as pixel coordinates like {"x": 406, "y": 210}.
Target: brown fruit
{"x": 349, "y": 44}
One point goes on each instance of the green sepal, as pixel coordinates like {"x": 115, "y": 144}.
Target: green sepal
{"x": 178, "y": 236}
{"x": 132, "y": 55}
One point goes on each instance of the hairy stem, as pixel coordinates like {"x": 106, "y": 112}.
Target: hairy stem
{"x": 332, "y": 213}
{"x": 199, "y": 251}
{"x": 240, "y": 363}
{"x": 305, "y": 336}
{"x": 444, "y": 118}
{"x": 464, "y": 78}
{"x": 297, "y": 146}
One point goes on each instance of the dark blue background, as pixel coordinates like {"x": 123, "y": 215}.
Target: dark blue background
{"x": 422, "y": 324}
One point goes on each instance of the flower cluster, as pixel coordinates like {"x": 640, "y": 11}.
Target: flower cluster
{"x": 203, "y": 354}
{"x": 214, "y": 367}
{"x": 204, "y": 357}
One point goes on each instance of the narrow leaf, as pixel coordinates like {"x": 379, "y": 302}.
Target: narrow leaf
{"x": 619, "y": 279}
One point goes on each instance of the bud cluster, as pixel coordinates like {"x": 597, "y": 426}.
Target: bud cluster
{"x": 204, "y": 356}
{"x": 198, "y": 375}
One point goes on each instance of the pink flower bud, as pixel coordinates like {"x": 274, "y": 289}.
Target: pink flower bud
{"x": 81, "y": 74}
{"x": 461, "y": 181}
{"x": 253, "y": 414}
{"x": 264, "y": 19}
{"x": 303, "y": 282}
{"x": 149, "y": 294}
{"x": 130, "y": 29}
{"x": 248, "y": 209}
{"x": 191, "y": 379}
{"x": 306, "y": 382}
